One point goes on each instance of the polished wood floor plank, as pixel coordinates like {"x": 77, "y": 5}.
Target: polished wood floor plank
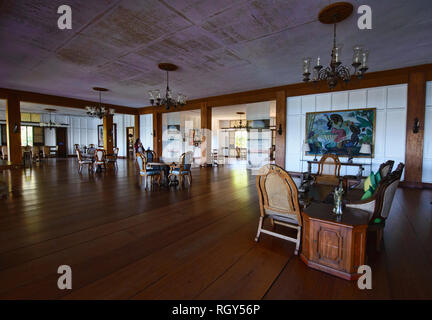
{"x": 124, "y": 242}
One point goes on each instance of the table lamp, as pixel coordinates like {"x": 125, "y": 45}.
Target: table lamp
{"x": 366, "y": 149}
{"x": 306, "y": 148}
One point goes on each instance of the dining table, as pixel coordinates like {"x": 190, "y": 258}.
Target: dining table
{"x": 165, "y": 168}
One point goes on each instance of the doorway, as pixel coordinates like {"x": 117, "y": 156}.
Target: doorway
{"x": 61, "y": 138}
{"x": 130, "y": 135}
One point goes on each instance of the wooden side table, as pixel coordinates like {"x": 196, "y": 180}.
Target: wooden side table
{"x": 332, "y": 244}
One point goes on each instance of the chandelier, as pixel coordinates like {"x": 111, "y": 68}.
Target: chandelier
{"x": 99, "y": 111}
{"x": 51, "y": 124}
{"x": 170, "y": 99}
{"x": 336, "y": 72}
{"x": 240, "y": 124}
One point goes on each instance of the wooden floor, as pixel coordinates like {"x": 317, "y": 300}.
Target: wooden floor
{"x": 124, "y": 242}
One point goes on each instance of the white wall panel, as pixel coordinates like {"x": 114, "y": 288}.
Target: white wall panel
{"x": 294, "y": 105}
{"x": 395, "y": 133}
{"x": 308, "y": 103}
{"x": 427, "y": 148}
{"x": 376, "y": 97}
{"x": 323, "y": 102}
{"x": 340, "y": 100}
{"x": 397, "y": 96}
{"x": 357, "y": 99}
{"x": 389, "y": 129}
{"x": 146, "y": 130}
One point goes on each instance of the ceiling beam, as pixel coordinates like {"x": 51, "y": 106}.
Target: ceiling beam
{"x": 373, "y": 79}
{"x": 59, "y": 101}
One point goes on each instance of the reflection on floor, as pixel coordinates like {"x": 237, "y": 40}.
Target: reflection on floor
{"x": 197, "y": 243}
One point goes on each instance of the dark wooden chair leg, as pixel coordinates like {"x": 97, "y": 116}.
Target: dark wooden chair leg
{"x": 379, "y": 239}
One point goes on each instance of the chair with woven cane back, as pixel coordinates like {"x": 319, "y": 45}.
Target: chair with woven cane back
{"x": 328, "y": 170}
{"x": 278, "y": 198}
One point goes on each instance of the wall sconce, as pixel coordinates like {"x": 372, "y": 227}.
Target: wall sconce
{"x": 416, "y": 125}
{"x": 15, "y": 128}
{"x": 280, "y": 129}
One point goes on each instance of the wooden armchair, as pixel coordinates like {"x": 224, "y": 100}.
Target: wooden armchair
{"x": 146, "y": 172}
{"x": 385, "y": 168}
{"x": 278, "y": 198}
{"x": 379, "y": 205}
{"x": 100, "y": 159}
{"x": 82, "y": 162}
{"x": 328, "y": 170}
{"x": 182, "y": 169}
{"x": 36, "y": 153}
{"x": 112, "y": 159}
{"x": 46, "y": 152}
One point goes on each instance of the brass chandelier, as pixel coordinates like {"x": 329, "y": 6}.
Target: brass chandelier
{"x": 170, "y": 99}
{"x": 99, "y": 111}
{"x": 336, "y": 72}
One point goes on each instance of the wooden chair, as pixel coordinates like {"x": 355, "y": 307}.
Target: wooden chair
{"x": 328, "y": 170}
{"x": 278, "y": 198}
{"x": 182, "y": 169}
{"x": 385, "y": 168}
{"x": 4, "y": 151}
{"x": 113, "y": 158}
{"x": 36, "y": 153}
{"x": 146, "y": 172}
{"x": 46, "y": 152}
{"x": 150, "y": 155}
{"x": 379, "y": 205}
{"x": 82, "y": 162}
{"x": 100, "y": 158}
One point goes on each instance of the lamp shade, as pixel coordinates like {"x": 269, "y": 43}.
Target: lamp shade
{"x": 365, "y": 148}
{"x": 306, "y": 147}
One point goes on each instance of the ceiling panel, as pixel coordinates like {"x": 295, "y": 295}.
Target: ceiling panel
{"x": 220, "y": 46}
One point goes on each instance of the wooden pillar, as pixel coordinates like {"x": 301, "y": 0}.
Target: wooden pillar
{"x": 206, "y": 126}
{"x": 157, "y": 133}
{"x": 13, "y": 125}
{"x": 281, "y": 108}
{"x": 108, "y": 129}
{"x": 415, "y": 141}
{"x": 137, "y": 127}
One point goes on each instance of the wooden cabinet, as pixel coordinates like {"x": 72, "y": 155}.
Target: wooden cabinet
{"x": 332, "y": 244}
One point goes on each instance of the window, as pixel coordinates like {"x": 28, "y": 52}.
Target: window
{"x": 26, "y": 136}
{"x": 241, "y": 139}
{"x": 30, "y": 117}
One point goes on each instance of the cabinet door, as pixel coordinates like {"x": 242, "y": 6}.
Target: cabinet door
{"x": 329, "y": 245}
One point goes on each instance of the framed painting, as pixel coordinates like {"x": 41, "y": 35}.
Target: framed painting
{"x": 100, "y": 135}
{"x": 341, "y": 132}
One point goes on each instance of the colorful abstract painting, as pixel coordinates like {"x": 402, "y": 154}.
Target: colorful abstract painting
{"x": 340, "y": 132}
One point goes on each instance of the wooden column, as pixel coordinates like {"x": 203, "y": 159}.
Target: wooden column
{"x": 108, "y": 133}
{"x": 157, "y": 133}
{"x": 280, "y": 123}
{"x": 13, "y": 129}
{"x": 415, "y": 141}
{"x": 137, "y": 127}
{"x": 206, "y": 126}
